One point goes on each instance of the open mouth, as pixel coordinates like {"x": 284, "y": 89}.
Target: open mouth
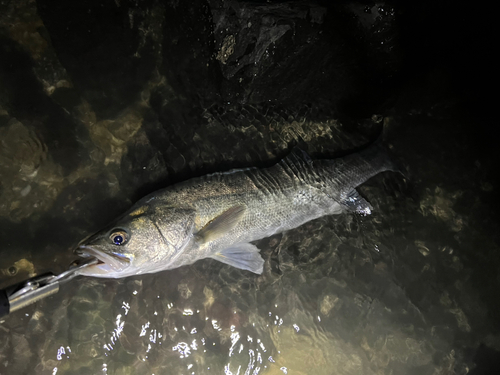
{"x": 107, "y": 262}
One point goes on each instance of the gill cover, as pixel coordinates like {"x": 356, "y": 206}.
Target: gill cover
{"x": 175, "y": 225}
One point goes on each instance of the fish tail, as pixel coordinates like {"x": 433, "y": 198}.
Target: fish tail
{"x": 354, "y": 169}
{"x": 379, "y": 156}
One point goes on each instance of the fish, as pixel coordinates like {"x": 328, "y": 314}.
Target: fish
{"x": 219, "y": 215}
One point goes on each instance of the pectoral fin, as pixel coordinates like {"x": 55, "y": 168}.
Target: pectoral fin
{"x": 355, "y": 202}
{"x": 244, "y": 256}
{"x": 222, "y": 224}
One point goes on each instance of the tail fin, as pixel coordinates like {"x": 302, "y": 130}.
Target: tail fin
{"x": 379, "y": 156}
{"x": 354, "y": 169}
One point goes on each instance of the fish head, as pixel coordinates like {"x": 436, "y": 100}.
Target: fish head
{"x": 143, "y": 240}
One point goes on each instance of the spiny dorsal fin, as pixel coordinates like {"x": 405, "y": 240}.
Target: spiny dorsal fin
{"x": 221, "y": 224}
{"x": 299, "y": 155}
{"x": 298, "y": 162}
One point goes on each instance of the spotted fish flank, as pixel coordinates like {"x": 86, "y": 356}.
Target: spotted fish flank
{"x": 218, "y": 215}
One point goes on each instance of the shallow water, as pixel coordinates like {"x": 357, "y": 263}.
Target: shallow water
{"x": 387, "y": 293}
{"x": 410, "y": 289}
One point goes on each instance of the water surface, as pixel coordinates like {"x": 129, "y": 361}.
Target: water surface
{"x": 89, "y": 125}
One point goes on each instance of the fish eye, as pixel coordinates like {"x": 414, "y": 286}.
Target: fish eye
{"x": 118, "y": 237}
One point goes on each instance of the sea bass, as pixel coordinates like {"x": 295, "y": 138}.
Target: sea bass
{"x": 218, "y": 215}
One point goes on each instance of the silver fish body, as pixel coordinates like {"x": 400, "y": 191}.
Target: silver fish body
{"x": 218, "y": 215}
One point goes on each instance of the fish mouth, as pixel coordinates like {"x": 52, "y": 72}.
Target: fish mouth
{"x": 107, "y": 262}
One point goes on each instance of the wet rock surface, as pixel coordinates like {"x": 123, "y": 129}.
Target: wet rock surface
{"x": 104, "y": 102}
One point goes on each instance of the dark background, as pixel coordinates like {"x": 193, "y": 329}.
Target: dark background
{"x": 432, "y": 60}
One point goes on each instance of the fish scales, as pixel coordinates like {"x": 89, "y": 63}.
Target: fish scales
{"x": 218, "y": 215}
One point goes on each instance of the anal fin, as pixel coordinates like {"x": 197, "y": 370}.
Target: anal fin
{"x": 356, "y": 203}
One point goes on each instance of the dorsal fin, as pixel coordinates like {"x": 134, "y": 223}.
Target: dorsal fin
{"x": 299, "y": 155}
{"x": 298, "y": 163}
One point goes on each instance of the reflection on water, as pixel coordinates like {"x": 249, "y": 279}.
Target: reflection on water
{"x": 105, "y": 104}
{"x": 385, "y": 293}
{"x": 329, "y": 302}
{"x": 201, "y": 336}
{"x": 348, "y": 294}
